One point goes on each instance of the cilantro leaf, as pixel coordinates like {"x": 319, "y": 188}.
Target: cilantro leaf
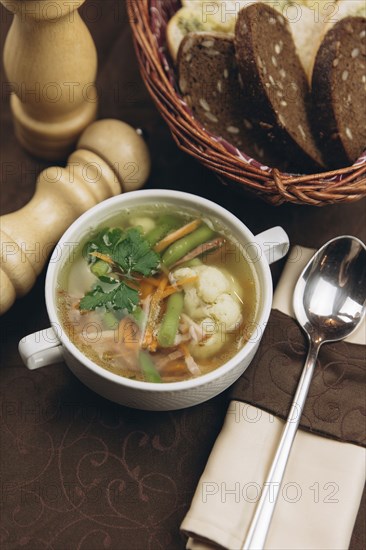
{"x": 112, "y": 236}
{"x": 122, "y": 297}
{"x": 129, "y": 250}
{"x": 95, "y": 298}
{"x": 103, "y": 242}
{"x": 133, "y": 253}
{"x": 126, "y": 298}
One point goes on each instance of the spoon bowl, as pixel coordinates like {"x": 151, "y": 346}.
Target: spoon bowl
{"x": 330, "y": 294}
{"x": 329, "y": 303}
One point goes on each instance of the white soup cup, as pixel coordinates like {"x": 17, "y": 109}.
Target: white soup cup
{"x": 53, "y": 345}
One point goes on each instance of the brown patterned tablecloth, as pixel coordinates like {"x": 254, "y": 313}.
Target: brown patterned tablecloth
{"x": 78, "y": 472}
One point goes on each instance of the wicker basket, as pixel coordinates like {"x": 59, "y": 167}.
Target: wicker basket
{"x": 148, "y": 20}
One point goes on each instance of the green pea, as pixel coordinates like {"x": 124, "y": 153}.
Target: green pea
{"x": 100, "y": 268}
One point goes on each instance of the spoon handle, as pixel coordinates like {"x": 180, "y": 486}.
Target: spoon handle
{"x": 260, "y": 524}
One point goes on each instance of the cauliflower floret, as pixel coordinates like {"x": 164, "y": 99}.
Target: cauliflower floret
{"x": 193, "y": 305}
{"x": 213, "y": 340}
{"x": 146, "y": 223}
{"x": 183, "y": 273}
{"x": 211, "y": 283}
{"x": 226, "y": 311}
{"x": 210, "y": 296}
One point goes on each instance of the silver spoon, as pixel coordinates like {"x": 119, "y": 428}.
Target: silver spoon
{"x": 329, "y": 303}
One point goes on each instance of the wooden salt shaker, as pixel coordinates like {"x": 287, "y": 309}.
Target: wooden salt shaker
{"x": 51, "y": 63}
{"x": 111, "y": 158}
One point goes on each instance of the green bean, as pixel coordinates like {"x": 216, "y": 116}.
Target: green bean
{"x": 165, "y": 225}
{"x": 169, "y": 325}
{"x": 100, "y": 268}
{"x": 148, "y": 368}
{"x": 110, "y": 320}
{"x": 180, "y": 248}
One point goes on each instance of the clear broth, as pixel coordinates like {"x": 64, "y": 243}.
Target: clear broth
{"x": 85, "y": 329}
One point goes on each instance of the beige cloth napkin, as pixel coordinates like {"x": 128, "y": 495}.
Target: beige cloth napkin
{"x": 323, "y": 483}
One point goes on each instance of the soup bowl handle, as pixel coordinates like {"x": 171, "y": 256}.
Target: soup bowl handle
{"x": 274, "y": 243}
{"x": 40, "y": 349}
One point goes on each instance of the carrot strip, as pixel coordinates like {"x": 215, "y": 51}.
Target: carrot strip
{"x": 187, "y": 280}
{"x": 169, "y": 291}
{"x": 153, "y": 344}
{"x": 152, "y": 281}
{"x": 174, "y": 368}
{"x": 145, "y": 289}
{"x": 178, "y": 234}
{"x": 148, "y": 338}
{"x": 103, "y": 257}
{"x": 176, "y": 287}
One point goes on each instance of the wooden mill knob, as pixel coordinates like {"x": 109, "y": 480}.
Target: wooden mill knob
{"x": 111, "y": 158}
{"x": 51, "y": 63}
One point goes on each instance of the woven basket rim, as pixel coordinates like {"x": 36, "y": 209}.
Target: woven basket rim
{"x": 272, "y": 185}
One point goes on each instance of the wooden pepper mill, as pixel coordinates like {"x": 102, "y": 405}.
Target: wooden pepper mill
{"x": 111, "y": 158}
{"x": 51, "y": 63}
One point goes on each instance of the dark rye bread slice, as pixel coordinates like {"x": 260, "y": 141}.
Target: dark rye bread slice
{"x": 278, "y": 96}
{"x": 211, "y": 86}
{"x": 339, "y": 92}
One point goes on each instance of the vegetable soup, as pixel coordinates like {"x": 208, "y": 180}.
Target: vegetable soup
{"x": 158, "y": 295}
